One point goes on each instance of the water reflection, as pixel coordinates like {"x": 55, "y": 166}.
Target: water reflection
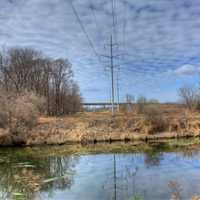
{"x": 187, "y": 153}
{"x": 22, "y": 177}
{"x": 76, "y": 172}
{"x": 176, "y": 190}
{"x": 153, "y": 158}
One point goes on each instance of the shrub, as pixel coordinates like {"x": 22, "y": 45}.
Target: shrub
{"x": 36, "y": 101}
{"x": 155, "y": 119}
{"x": 19, "y": 113}
{"x": 24, "y": 116}
{"x": 123, "y": 108}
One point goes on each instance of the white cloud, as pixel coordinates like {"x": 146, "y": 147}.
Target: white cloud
{"x": 187, "y": 70}
{"x": 156, "y": 35}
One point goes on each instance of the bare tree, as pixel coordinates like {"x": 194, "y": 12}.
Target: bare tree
{"x": 61, "y": 74}
{"x": 24, "y": 69}
{"x": 189, "y": 97}
{"x": 141, "y": 103}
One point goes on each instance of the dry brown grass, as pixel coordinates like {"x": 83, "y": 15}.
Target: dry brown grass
{"x": 165, "y": 121}
{"x": 196, "y": 197}
{"x": 157, "y": 122}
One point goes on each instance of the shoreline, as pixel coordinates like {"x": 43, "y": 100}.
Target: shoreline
{"x": 95, "y": 128}
{"x": 8, "y": 140}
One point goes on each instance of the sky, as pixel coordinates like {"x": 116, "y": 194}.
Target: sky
{"x": 156, "y": 43}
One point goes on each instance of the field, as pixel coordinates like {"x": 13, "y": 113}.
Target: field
{"x": 157, "y": 121}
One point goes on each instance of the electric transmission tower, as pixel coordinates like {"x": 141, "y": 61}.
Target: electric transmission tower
{"x": 111, "y": 57}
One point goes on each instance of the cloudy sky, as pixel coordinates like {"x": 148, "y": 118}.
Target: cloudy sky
{"x": 158, "y": 40}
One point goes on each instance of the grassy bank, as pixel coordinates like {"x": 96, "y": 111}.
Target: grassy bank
{"x": 166, "y": 122}
{"x": 156, "y": 122}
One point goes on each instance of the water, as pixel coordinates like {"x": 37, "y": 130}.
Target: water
{"x": 100, "y": 172}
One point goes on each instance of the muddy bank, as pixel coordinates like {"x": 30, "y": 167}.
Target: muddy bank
{"x": 101, "y": 127}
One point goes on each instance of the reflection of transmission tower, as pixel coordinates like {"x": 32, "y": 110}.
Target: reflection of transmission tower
{"x": 115, "y": 178}
{"x": 120, "y": 178}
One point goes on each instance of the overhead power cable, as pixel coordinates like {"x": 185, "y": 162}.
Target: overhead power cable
{"x": 84, "y": 31}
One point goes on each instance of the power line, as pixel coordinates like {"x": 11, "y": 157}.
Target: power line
{"x": 84, "y": 30}
{"x": 114, "y": 20}
{"x": 124, "y": 26}
{"x": 113, "y": 17}
{"x": 121, "y": 61}
{"x": 93, "y": 14}
{"x": 92, "y": 8}
{"x": 114, "y": 25}
{"x": 123, "y": 58}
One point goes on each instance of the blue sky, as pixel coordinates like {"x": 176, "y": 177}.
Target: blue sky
{"x": 160, "y": 40}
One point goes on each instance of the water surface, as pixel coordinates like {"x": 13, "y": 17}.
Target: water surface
{"x": 100, "y": 172}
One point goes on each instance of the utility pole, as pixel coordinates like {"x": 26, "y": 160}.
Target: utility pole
{"x": 112, "y": 75}
{"x": 112, "y": 66}
{"x": 118, "y": 89}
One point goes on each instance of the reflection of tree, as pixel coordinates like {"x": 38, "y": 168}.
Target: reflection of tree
{"x": 27, "y": 175}
{"x": 153, "y": 158}
{"x": 189, "y": 153}
{"x": 61, "y": 167}
{"x": 176, "y": 190}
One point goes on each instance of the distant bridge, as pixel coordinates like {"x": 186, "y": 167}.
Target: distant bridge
{"x": 97, "y": 106}
{"x": 102, "y": 104}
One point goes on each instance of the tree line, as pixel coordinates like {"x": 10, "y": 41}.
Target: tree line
{"x": 25, "y": 69}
